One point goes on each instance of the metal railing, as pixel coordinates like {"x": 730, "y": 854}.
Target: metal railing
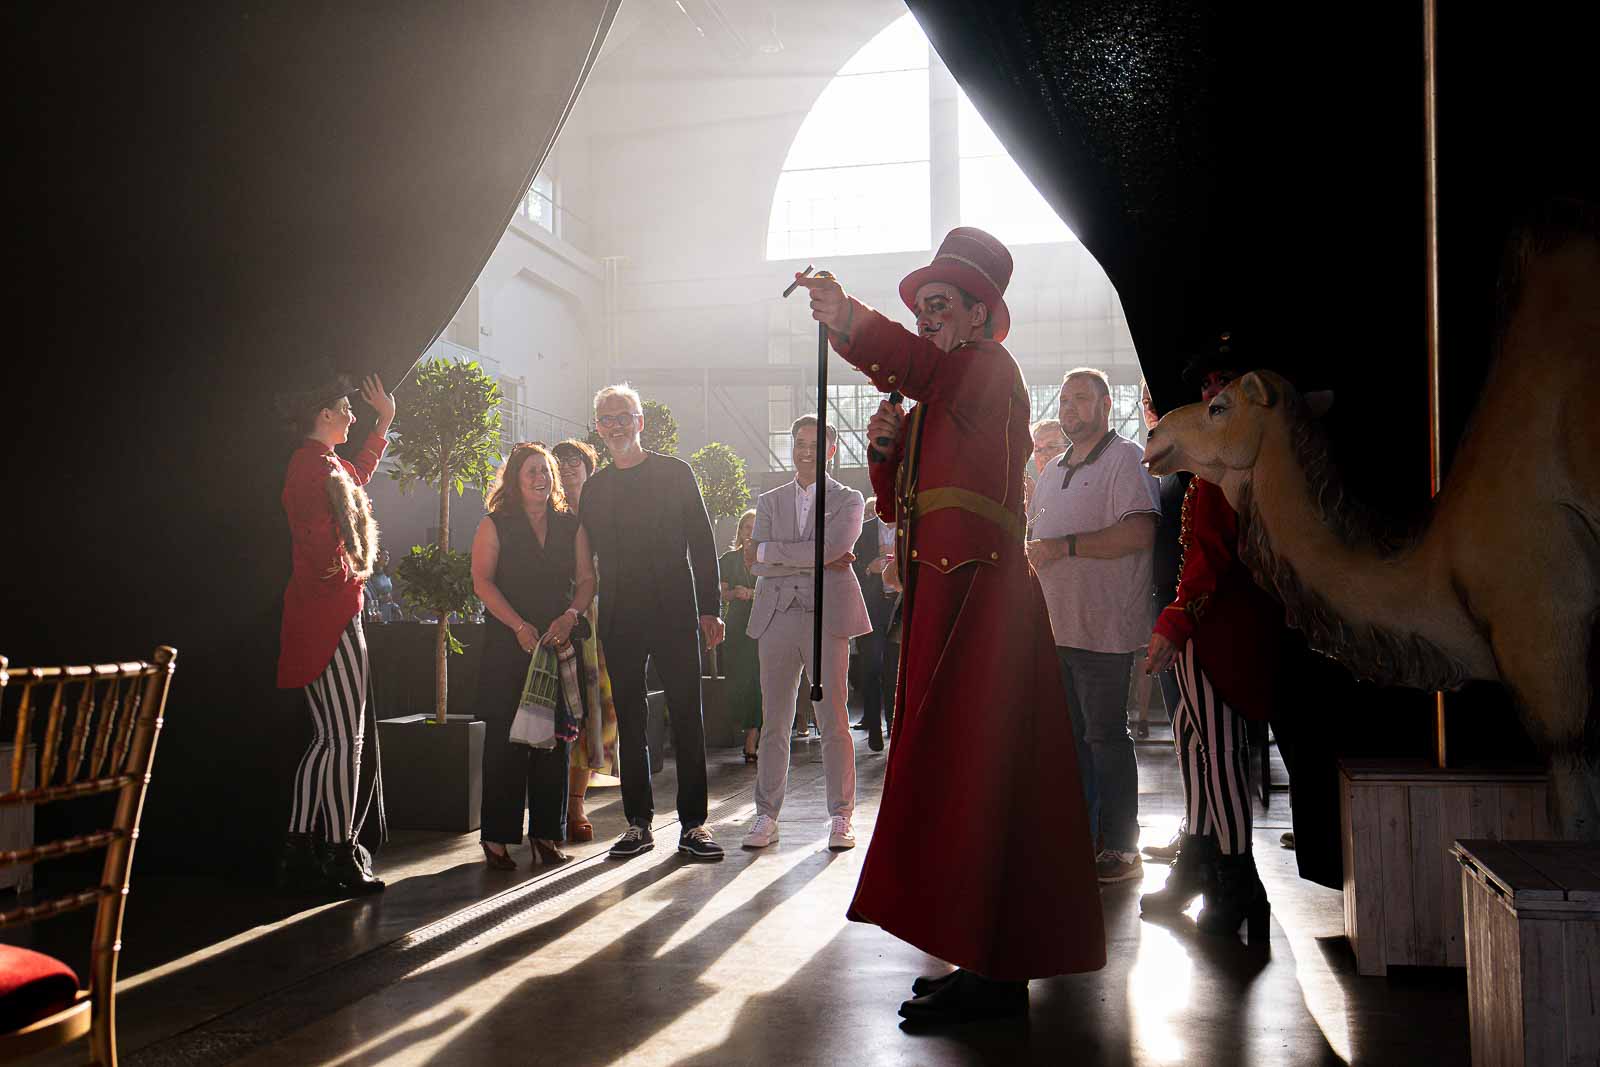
{"x": 442, "y": 349}
{"x": 539, "y": 209}
{"x": 520, "y": 422}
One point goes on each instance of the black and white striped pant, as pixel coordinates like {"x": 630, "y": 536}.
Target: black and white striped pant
{"x": 1213, "y": 754}
{"x": 326, "y": 784}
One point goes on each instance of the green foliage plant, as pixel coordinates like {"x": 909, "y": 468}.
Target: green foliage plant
{"x": 721, "y": 473}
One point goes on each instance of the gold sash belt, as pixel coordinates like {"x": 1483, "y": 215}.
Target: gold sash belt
{"x": 952, "y": 497}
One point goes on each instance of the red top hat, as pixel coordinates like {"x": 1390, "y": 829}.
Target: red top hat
{"x": 974, "y": 261}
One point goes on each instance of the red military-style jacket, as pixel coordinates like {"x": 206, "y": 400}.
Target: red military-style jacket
{"x": 1236, "y": 626}
{"x": 967, "y": 438}
{"x": 322, "y": 596}
{"x": 983, "y": 752}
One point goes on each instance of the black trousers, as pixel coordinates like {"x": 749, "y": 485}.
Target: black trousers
{"x": 879, "y": 660}
{"x": 515, "y": 775}
{"x": 675, "y": 652}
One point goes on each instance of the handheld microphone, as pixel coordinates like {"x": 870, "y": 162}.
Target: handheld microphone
{"x": 879, "y": 452}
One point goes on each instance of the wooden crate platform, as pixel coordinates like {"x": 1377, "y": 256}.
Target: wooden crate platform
{"x": 1398, "y": 821}
{"x": 1533, "y": 950}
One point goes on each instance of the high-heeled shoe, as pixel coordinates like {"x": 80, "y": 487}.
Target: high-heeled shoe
{"x": 500, "y": 861}
{"x": 579, "y": 829}
{"x": 546, "y": 854}
{"x": 749, "y": 757}
{"x": 1194, "y": 871}
{"x": 1239, "y": 897}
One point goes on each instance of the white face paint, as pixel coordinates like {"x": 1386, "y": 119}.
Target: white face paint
{"x": 944, "y": 320}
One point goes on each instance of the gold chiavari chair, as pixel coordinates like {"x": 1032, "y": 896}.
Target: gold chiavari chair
{"x": 100, "y": 725}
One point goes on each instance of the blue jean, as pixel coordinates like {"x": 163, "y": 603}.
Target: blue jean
{"x": 1097, "y": 693}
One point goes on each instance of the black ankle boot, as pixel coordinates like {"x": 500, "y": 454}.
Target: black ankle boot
{"x": 1239, "y": 897}
{"x": 299, "y": 866}
{"x": 343, "y": 868}
{"x": 1194, "y": 871}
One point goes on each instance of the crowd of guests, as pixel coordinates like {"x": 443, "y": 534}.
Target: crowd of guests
{"x": 1017, "y": 607}
{"x": 616, "y": 566}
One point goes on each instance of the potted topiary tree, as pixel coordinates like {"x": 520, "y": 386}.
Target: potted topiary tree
{"x": 720, "y": 471}
{"x": 449, "y": 440}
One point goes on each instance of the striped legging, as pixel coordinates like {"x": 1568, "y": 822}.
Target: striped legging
{"x": 326, "y": 783}
{"x": 1213, "y": 755}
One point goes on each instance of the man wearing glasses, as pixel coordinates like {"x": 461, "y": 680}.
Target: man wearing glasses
{"x": 658, "y": 574}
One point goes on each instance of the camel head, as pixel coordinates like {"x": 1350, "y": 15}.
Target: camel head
{"x": 1224, "y": 437}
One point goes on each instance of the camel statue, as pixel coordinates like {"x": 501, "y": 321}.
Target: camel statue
{"x": 1503, "y": 580}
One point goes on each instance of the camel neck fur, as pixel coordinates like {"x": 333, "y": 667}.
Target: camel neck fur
{"x": 1366, "y": 595}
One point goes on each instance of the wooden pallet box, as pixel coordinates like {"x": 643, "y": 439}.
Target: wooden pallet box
{"x": 1398, "y": 820}
{"x": 1533, "y": 950}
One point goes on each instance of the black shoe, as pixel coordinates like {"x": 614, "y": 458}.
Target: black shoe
{"x": 696, "y": 843}
{"x": 344, "y": 868}
{"x": 1239, "y": 897}
{"x": 875, "y": 740}
{"x": 299, "y": 866}
{"x": 929, "y": 982}
{"x": 634, "y": 840}
{"x": 860, "y": 724}
{"x": 1194, "y": 872}
{"x": 968, "y": 997}
{"x": 1168, "y": 852}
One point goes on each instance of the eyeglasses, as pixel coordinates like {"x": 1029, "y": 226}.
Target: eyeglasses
{"x": 572, "y": 465}
{"x": 604, "y": 421}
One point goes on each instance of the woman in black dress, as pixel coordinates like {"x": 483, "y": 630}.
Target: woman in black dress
{"x": 534, "y": 571}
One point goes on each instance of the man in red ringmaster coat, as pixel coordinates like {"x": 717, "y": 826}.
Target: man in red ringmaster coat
{"x": 981, "y": 852}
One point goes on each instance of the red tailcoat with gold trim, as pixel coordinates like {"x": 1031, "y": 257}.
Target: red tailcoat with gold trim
{"x": 980, "y": 854}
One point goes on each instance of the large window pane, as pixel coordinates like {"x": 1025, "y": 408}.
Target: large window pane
{"x": 850, "y": 211}
{"x": 995, "y": 194}
{"x": 868, "y": 118}
{"x": 856, "y": 179}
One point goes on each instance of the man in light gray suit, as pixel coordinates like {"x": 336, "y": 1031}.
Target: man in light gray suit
{"x": 782, "y": 620}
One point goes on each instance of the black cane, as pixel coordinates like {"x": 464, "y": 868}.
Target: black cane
{"x": 818, "y": 509}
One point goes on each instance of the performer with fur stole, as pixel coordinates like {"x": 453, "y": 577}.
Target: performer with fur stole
{"x": 322, "y": 648}
{"x": 981, "y": 852}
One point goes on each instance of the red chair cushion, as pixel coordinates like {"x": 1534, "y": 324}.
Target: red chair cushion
{"x": 32, "y": 986}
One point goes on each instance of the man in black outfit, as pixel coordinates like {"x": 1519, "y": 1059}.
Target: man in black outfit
{"x": 648, "y": 525}
{"x": 870, "y": 647}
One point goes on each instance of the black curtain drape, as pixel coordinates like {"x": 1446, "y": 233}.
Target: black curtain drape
{"x": 209, "y": 203}
{"x": 1259, "y": 168}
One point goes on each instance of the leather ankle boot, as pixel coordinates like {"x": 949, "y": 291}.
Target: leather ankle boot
{"x": 299, "y": 867}
{"x": 344, "y": 870}
{"x": 1239, "y": 897}
{"x": 1193, "y": 873}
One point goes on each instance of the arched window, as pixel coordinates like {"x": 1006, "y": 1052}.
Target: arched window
{"x": 856, "y": 177}
{"x": 859, "y": 177}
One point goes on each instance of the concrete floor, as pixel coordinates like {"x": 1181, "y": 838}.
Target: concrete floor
{"x": 656, "y": 961}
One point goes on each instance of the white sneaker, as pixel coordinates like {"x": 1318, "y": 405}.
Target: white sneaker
{"x": 840, "y": 837}
{"x": 763, "y": 832}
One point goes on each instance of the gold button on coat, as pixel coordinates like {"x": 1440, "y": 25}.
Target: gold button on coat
{"x": 943, "y": 562}
{"x": 874, "y": 368}
{"x": 891, "y": 379}
{"x": 913, "y": 553}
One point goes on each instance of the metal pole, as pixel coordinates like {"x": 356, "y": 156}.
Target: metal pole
{"x": 1430, "y": 123}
